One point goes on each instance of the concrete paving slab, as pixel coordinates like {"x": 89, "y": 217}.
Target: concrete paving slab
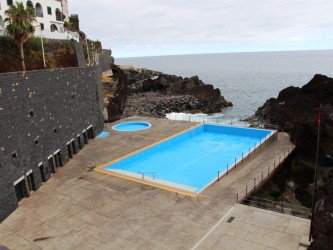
{"x": 79, "y": 208}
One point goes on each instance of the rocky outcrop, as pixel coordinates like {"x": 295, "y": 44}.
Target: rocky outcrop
{"x": 173, "y": 93}
{"x": 115, "y": 93}
{"x": 157, "y": 105}
{"x": 144, "y": 92}
{"x": 295, "y": 110}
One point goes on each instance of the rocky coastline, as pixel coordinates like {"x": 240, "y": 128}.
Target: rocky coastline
{"x": 295, "y": 111}
{"x": 144, "y": 92}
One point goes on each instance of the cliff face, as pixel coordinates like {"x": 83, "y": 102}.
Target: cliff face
{"x": 295, "y": 110}
{"x": 115, "y": 91}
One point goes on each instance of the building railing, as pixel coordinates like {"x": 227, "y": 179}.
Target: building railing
{"x": 278, "y": 206}
{"x": 261, "y": 178}
{"x": 63, "y": 35}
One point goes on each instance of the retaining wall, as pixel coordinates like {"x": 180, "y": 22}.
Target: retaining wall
{"x": 106, "y": 60}
{"x": 46, "y": 116}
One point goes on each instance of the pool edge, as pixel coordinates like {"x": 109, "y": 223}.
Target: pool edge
{"x": 149, "y": 183}
{"x": 168, "y": 188}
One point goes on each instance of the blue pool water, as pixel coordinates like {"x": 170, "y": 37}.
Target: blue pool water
{"x": 195, "y": 157}
{"x": 103, "y": 134}
{"x": 131, "y": 126}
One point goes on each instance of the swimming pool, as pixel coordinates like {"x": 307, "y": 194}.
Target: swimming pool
{"x": 191, "y": 160}
{"x": 131, "y": 126}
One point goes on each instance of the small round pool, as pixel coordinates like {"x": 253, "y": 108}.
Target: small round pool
{"x": 131, "y": 126}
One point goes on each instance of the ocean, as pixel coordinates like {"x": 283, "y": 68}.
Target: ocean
{"x": 245, "y": 79}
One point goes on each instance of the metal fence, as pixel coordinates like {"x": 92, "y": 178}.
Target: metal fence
{"x": 261, "y": 178}
{"x": 278, "y": 206}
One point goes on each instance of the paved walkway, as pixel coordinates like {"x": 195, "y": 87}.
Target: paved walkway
{"x": 79, "y": 208}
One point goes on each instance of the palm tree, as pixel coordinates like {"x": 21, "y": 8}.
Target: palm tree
{"x": 20, "y": 25}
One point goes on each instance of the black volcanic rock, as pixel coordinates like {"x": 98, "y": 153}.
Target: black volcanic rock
{"x": 295, "y": 111}
{"x": 118, "y": 89}
{"x": 205, "y": 98}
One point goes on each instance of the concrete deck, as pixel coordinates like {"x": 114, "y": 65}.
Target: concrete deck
{"x": 79, "y": 208}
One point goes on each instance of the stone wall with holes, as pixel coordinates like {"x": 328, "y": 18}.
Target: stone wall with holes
{"x": 41, "y": 112}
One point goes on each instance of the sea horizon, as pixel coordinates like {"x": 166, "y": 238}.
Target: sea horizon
{"x": 232, "y": 52}
{"x": 247, "y": 79}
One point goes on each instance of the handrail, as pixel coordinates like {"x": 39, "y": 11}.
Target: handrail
{"x": 260, "y": 178}
{"x": 278, "y": 206}
{"x": 248, "y": 155}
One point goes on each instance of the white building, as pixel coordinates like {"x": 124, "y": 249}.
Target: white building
{"x": 50, "y": 16}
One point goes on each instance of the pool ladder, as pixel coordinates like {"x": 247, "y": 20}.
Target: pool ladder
{"x": 143, "y": 174}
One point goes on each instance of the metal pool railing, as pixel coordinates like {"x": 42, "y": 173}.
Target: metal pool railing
{"x": 212, "y": 120}
{"x": 247, "y": 155}
{"x": 262, "y": 177}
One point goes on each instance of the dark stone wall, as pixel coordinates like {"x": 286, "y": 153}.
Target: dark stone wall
{"x": 106, "y": 60}
{"x": 81, "y": 61}
{"x": 40, "y": 113}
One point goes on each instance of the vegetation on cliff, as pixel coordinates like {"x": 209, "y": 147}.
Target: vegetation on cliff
{"x": 58, "y": 54}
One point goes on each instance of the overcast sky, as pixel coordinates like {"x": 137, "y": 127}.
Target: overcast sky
{"x": 167, "y": 27}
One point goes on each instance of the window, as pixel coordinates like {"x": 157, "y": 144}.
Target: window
{"x": 9, "y": 2}
{"x": 30, "y": 4}
{"x": 39, "y": 10}
{"x": 49, "y": 10}
{"x": 41, "y": 26}
{"x": 58, "y": 15}
{"x": 53, "y": 28}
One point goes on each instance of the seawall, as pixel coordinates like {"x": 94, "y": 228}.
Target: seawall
{"x": 46, "y": 116}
